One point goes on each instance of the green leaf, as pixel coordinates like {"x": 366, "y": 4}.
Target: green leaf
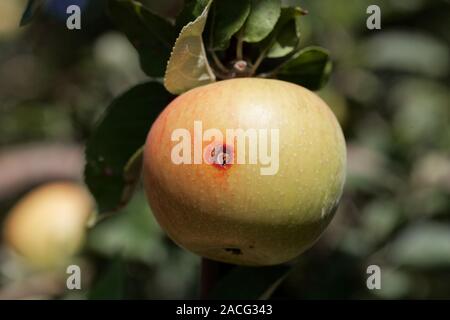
{"x": 310, "y": 68}
{"x": 111, "y": 284}
{"x": 396, "y": 284}
{"x": 263, "y": 17}
{"x": 151, "y": 35}
{"x": 229, "y": 16}
{"x": 33, "y": 6}
{"x": 425, "y": 245}
{"x": 168, "y": 8}
{"x": 250, "y": 282}
{"x": 188, "y": 66}
{"x": 404, "y": 51}
{"x": 132, "y": 234}
{"x": 287, "y": 41}
{"x": 285, "y": 37}
{"x": 131, "y": 173}
{"x": 112, "y": 152}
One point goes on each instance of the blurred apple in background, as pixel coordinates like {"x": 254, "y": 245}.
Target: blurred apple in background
{"x": 48, "y": 225}
{"x": 10, "y": 14}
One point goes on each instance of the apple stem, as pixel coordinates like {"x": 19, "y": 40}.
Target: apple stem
{"x": 211, "y": 274}
{"x": 240, "y": 45}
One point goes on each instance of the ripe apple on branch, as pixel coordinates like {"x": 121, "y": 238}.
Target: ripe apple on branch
{"x": 234, "y": 64}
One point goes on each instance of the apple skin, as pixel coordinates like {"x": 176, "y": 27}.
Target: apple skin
{"x": 47, "y": 226}
{"x": 236, "y": 215}
{"x": 10, "y": 13}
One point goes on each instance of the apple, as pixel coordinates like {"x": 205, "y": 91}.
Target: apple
{"x": 10, "y": 13}
{"x": 261, "y": 197}
{"x": 47, "y": 226}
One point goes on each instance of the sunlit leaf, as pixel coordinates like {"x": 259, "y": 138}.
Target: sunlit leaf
{"x": 192, "y": 10}
{"x": 188, "y": 66}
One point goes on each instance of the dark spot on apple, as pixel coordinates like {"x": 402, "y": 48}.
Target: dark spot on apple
{"x": 221, "y": 156}
{"x": 235, "y": 251}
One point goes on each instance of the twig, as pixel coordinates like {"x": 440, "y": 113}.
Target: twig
{"x": 223, "y": 71}
{"x": 240, "y": 45}
{"x": 218, "y": 63}
{"x": 258, "y": 61}
{"x": 273, "y": 72}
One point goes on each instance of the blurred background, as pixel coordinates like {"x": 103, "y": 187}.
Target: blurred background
{"x": 389, "y": 90}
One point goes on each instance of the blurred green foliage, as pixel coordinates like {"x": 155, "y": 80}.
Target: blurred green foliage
{"x": 389, "y": 89}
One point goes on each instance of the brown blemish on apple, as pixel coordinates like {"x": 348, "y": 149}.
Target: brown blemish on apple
{"x": 234, "y": 251}
{"x": 220, "y": 156}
